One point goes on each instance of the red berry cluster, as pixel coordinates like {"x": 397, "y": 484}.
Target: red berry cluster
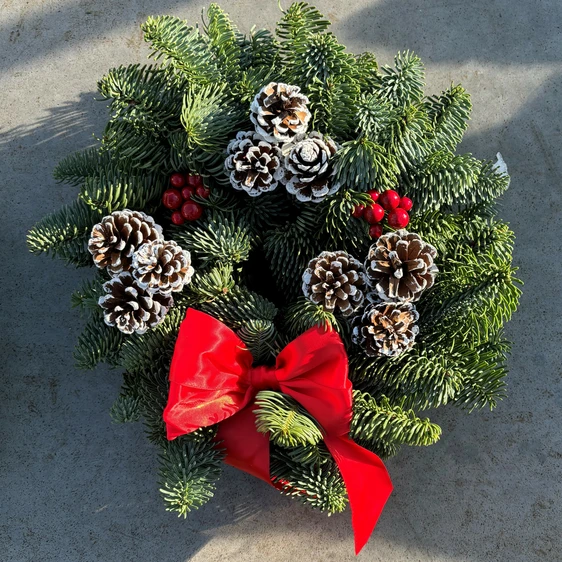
{"x": 178, "y": 197}
{"x": 387, "y": 201}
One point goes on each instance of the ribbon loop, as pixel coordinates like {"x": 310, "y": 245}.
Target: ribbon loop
{"x": 212, "y": 381}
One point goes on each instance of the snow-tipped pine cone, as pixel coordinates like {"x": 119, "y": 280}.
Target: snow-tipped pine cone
{"x": 308, "y": 172}
{"x": 386, "y": 329}
{"x": 130, "y": 308}
{"x": 115, "y": 239}
{"x": 336, "y": 281}
{"x": 279, "y": 112}
{"x": 253, "y": 163}
{"x": 162, "y": 267}
{"x": 400, "y": 266}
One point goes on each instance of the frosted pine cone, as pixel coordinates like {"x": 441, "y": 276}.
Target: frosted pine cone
{"x": 279, "y": 112}
{"x": 253, "y": 163}
{"x": 400, "y": 266}
{"x": 130, "y": 308}
{"x": 115, "y": 239}
{"x": 162, "y": 267}
{"x": 309, "y": 173}
{"x": 386, "y": 329}
{"x": 336, "y": 281}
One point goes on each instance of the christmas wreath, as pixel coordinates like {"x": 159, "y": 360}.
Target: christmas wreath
{"x": 290, "y": 259}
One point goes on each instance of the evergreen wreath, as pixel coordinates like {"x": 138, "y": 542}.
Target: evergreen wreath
{"x": 268, "y": 180}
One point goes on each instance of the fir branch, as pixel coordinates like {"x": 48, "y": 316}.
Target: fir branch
{"x": 86, "y": 298}
{"x": 146, "y": 96}
{"x": 380, "y": 421}
{"x": 300, "y": 20}
{"x": 111, "y": 190}
{"x": 259, "y": 49}
{"x": 319, "y": 57}
{"x": 64, "y": 234}
{"x": 189, "y": 470}
{"x": 209, "y": 116}
{"x": 443, "y": 180}
{"x": 403, "y": 85}
{"x": 74, "y": 168}
{"x": 218, "y": 239}
{"x": 341, "y": 229}
{"x": 125, "y": 409}
{"x": 449, "y": 114}
{"x": 138, "y": 147}
{"x": 181, "y": 46}
{"x": 239, "y": 306}
{"x": 319, "y": 486}
{"x": 223, "y": 40}
{"x": 212, "y": 283}
{"x": 97, "y": 342}
{"x": 304, "y": 314}
{"x": 285, "y": 420}
{"x": 362, "y": 165}
{"x": 260, "y": 336}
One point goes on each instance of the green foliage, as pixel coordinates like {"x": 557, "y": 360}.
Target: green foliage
{"x": 189, "y": 470}
{"x": 97, "y": 343}
{"x": 362, "y": 165}
{"x": 286, "y": 421}
{"x": 403, "y": 85}
{"x": 217, "y": 240}
{"x": 449, "y": 114}
{"x": 249, "y": 253}
{"x": 125, "y": 409}
{"x": 112, "y": 190}
{"x": 74, "y": 168}
{"x": 316, "y": 485}
{"x": 64, "y": 234}
{"x": 209, "y": 116}
{"x": 383, "y": 422}
{"x": 182, "y": 47}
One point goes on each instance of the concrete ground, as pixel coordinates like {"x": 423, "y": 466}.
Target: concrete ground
{"x": 77, "y": 488}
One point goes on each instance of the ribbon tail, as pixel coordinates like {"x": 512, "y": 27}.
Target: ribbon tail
{"x": 367, "y": 482}
{"x": 246, "y": 448}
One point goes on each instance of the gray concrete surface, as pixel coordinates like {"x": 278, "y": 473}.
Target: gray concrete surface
{"x": 77, "y": 488}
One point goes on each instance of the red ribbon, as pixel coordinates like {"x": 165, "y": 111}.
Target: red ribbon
{"x": 212, "y": 380}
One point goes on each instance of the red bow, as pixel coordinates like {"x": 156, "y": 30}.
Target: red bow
{"x": 212, "y": 379}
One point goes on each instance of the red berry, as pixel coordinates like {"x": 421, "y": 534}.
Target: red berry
{"x": 177, "y": 180}
{"x": 194, "y": 180}
{"x": 389, "y": 199}
{"x": 374, "y": 213}
{"x": 177, "y": 218}
{"x": 191, "y": 210}
{"x": 374, "y": 194}
{"x": 358, "y": 211}
{"x": 203, "y": 192}
{"x": 187, "y": 192}
{"x": 375, "y": 231}
{"x": 398, "y": 218}
{"x": 171, "y": 199}
{"x": 406, "y": 203}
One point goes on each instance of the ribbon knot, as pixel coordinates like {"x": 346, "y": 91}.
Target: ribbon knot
{"x": 212, "y": 381}
{"x": 263, "y": 377}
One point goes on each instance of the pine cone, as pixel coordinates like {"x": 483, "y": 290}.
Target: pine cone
{"x": 279, "y": 112}
{"x": 115, "y": 239}
{"x": 252, "y": 163}
{"x": 335, "y": 280}
{"x": 162, "y": 267}
{"x": 309, "y": 172}
{"x": 386, "y": 329}
{"x": 400, "y": 266}
{"x": 131, "y": 308}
